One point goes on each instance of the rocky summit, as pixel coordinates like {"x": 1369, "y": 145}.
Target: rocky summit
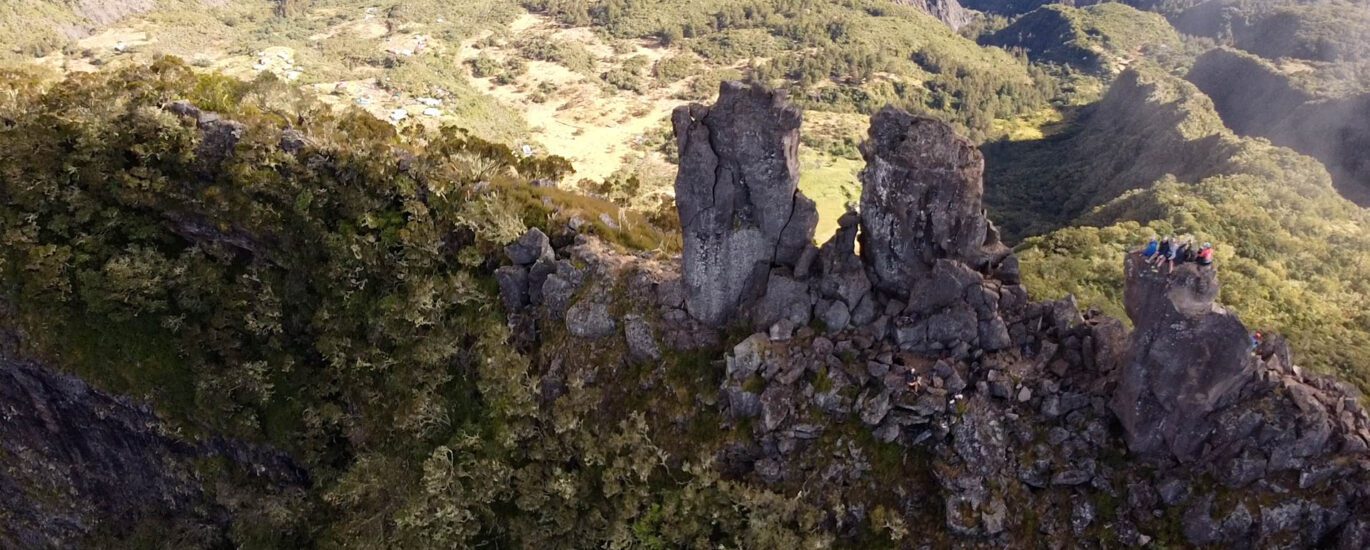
{"x": 1028, "y": 415}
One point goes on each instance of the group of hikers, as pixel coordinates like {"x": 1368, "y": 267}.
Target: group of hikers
{"x": 1170, "y": 251}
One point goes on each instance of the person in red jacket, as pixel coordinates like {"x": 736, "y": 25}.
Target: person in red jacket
{"x": 1205, "y": 255}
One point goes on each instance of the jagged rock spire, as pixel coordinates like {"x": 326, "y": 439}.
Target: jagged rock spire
{"x": 737, "y": 193}
{"x": 921, "y": 202}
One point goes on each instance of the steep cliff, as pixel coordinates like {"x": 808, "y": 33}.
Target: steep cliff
{"x": 947, "y": 11}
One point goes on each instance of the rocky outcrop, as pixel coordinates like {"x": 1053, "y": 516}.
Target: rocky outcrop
{"x": 77, "y": 461}
{"x": 1188, "y": 358}
{"x": 1194, "y": 389}
{"x": 927, "y": 343}
{"x": 921, "y": 201}
{"x": 737, "y": 195}
{"x": 949, "y": 12}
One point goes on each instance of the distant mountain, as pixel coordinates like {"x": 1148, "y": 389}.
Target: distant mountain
{"x": 1255, "y": 98}
{"x": 1153, "y": 157}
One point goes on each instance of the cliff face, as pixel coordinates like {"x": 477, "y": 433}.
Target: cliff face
{"x": 738, "y": 198}
{"x": 947, "y": 11}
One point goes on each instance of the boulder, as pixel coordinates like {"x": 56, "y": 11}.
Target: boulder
{"x": 532, "y": 246}
{"x": 785, "y": 298}
{"x": 642, "y": 344}
{"x": 513, "y": 287}
{"x": 737, "y": 196}
{"x": 590, "y": 319}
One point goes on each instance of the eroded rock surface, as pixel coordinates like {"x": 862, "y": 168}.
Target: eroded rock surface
{"x": 921, "y": 201}
{"x": 1188, "y": 358}
{"x": 737, "y": 195}
{"x": 925, "y": 341}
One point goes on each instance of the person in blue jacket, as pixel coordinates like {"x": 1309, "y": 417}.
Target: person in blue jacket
{"x": 1150, "y": 249}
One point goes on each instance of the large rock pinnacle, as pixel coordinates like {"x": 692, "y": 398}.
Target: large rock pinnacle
{"x": 1188, "y": 358}
{"x": 738, "y": 197}
{"x": 921, "y": 201}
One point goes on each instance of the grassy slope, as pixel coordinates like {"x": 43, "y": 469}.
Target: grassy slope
{"x": 1152, "y": 158}
{"x": 847, "y": 57}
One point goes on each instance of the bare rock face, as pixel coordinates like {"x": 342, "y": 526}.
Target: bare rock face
{"x": 1188, "y": 358}
{"x": 950, "y": 12}
{"x": 921, "y": 201}
{"x": 737, "y": 195}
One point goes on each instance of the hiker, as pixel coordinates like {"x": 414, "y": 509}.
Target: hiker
{"x": 1191, "y": 253}
{"x": 1256, "y": 340}
{"x": 1177, "y": 252}
{"x": 1162, "y": 253}
{"x": 1150, "y": 249}
{"x": 1205, "y": 255}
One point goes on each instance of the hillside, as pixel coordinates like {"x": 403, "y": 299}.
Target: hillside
{"x": 1256, "y": 98}
{"x": 682, "y": 274}
{"x": 1153, "y": 158}
{"x": 348, "y": 337}
{"x": 1102, "y": 38}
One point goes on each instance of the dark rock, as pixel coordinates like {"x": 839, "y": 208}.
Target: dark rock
{"x": 292, "y": 141}
{"x": 1071, "y": 477}
{"x": 1188, "y": 358}
{"x": 776, "y": 404}
{"x": 785, "y": 298}
{"x": 737, "y": 196}
{"x": 642, "y": 344}
{"x": 531, "y": 247}
{"x": 513, "y": 287}
{"x": 82, "y": 467}
{"x": 835, "y": 317}
{"x": 920, "y": 201}
{"x": 1081, "y": 516}
{"x": 742, "y": 403}
{"x": 1280, "y": 518}
{"x": 1199, "y": 527}
{"x": 1173, "y": 491}
{"x": 875, "y": 408}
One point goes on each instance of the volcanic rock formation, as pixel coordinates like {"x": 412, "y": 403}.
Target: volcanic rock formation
{"x": 929, "y": 342}
{"x": 737, "y": 193}
{"x": 1189, "y": 357}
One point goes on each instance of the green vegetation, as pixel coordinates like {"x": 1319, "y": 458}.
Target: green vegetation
{"x": 1152, "y": 158}
{"x": 339, "y": 304}
{"x": 1096, "y": 39}
{"x": 852, "y": 56}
